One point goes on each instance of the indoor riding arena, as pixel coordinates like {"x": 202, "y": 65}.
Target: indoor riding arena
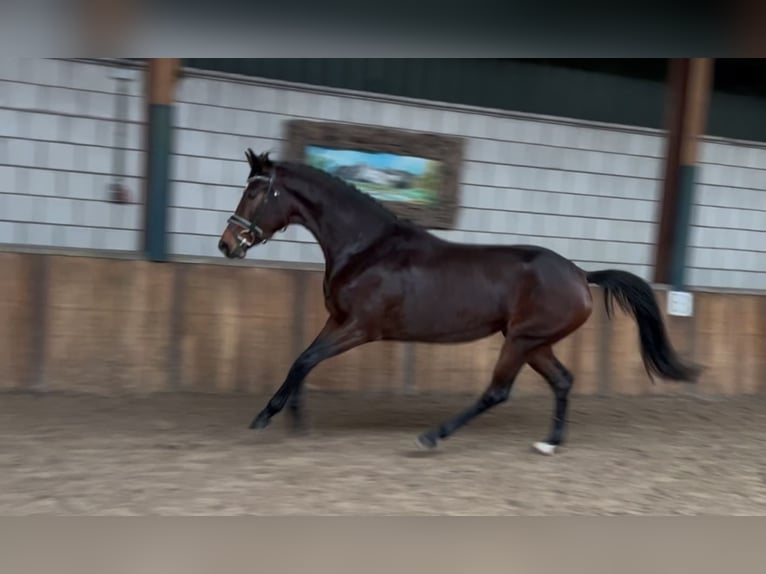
{"x": 134, "y": 356}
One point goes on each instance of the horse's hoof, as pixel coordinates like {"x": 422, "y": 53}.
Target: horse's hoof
{"x": 260, "y": 422}
{"x": 544, "y": 448}
{"x": 426, "y": 441}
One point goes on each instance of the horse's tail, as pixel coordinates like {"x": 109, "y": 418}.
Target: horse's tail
{"x": 635, "y": 297}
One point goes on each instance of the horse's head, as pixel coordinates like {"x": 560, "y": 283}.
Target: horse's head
{"x": 262, "y": 210}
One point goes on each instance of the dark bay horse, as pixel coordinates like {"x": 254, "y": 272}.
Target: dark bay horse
{"x": 387, "y": 278}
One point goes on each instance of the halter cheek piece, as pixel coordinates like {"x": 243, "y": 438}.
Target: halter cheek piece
{"x": 251, "y": 229}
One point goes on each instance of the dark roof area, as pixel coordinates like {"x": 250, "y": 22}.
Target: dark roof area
{"x": 743, "y": 76}
{"x": 623, "y": 91}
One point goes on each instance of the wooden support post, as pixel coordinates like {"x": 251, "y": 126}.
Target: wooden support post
{"x": 690, "y": 87}
{"x": 162, "y": 75}
{"x": 695, "y": 119}
{"x": 677, "y": 82}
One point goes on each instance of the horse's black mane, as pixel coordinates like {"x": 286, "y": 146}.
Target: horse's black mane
{"x": 340, "y": 185}
{"x": 319, "y": 176}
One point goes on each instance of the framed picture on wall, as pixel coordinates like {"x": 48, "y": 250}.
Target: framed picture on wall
{"x": 414, "y": 174}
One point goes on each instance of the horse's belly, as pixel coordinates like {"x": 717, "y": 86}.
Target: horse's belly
{"x": 461, "y": 303}
{"x": 442, "y": 317}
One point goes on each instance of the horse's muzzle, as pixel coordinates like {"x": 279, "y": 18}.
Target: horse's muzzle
{"x": 237, "y": 253}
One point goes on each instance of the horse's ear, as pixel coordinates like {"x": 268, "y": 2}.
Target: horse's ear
{"x": 250, "y": 158}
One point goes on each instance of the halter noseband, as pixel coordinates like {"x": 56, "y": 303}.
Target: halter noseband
{"x": 249, "y": 225}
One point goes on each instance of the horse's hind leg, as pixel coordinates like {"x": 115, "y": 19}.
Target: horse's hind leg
{"x": 508, "y": 365}
{"x": 560, "y": 380}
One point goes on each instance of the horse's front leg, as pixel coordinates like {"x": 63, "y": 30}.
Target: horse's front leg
{"x": 333, "y": 339}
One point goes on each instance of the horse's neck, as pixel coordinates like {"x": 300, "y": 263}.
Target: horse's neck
{"x": 342, "y": 229}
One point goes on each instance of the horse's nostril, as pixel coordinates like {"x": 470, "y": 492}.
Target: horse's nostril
{"x": 223, "y": 248}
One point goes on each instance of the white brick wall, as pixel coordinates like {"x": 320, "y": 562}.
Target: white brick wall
{"x": 587, "y": 191}
{"x": 728, "y": 235}
{"x": 57, "y": 128}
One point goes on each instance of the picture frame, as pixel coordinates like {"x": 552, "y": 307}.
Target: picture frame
{"x": 414, "y": 174}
